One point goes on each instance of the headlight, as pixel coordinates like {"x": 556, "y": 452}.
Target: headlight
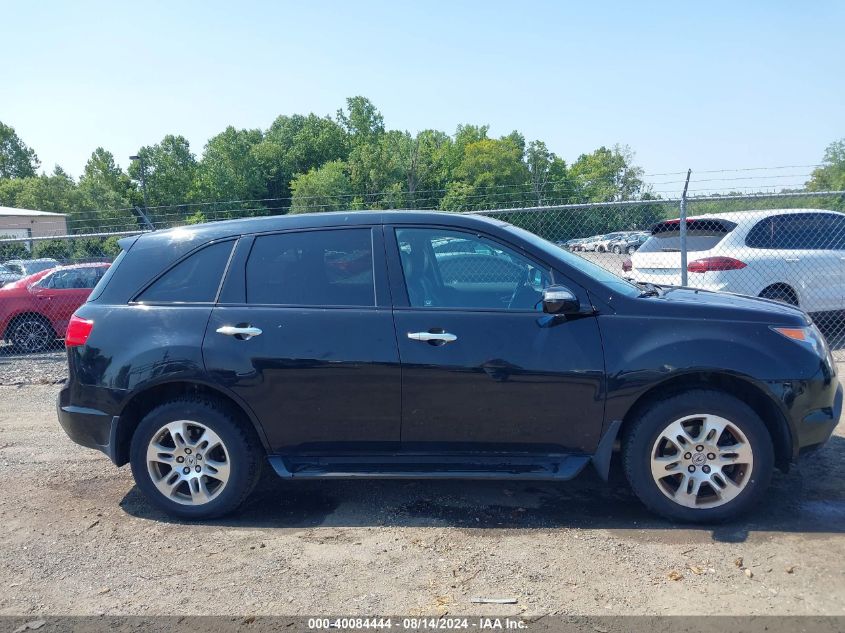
{"x": 809, "y": 336}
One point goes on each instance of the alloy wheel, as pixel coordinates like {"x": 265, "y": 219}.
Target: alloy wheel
{"x": 188, "y": 462}
{"x": 32, "y": 335}
{"x": 701, "y": 461}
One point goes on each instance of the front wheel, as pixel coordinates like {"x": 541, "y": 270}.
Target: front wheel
{"x": 193, "y": 458}
{"x": 698, "y": 456}
{"x": 617, "y": 249}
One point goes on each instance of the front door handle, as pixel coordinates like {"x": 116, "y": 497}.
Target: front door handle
{"x": 428, "y": 337}
{"x": 242, "y": 332}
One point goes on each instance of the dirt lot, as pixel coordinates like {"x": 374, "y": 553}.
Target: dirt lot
{"x": 76, "y": 537}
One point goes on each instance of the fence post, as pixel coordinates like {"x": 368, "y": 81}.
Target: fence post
{"x": 683, "y": 231}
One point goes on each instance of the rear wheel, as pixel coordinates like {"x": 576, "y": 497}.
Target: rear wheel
{"x": 31, "y": 333}
{"x": 631, "y": 250}
{"x": 617, "y": 249}
{"x": 780, "y": 292}
{"x": 698, "y": 456}
{"x": 193, "y": 458}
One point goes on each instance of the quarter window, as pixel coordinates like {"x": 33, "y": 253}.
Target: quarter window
{"x": 195, "y": 279}
{"x": 312, "y": 268}
{"x": 799, "y": 231}
{"x": 451, "y": 269}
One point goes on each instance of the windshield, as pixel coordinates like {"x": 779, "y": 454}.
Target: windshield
{"x": 582, "y": 265}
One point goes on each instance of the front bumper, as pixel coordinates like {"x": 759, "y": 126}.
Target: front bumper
{"x": 87, "y": 427}
{"x": 816, "y": 425}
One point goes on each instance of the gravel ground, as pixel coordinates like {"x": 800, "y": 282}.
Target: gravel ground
{"x": 76, "y": 537}
{"x": 46, "y": 368}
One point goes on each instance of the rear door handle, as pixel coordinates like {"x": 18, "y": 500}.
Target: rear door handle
{"x": 242, "y": 332}
{"x": 443, "y": 337}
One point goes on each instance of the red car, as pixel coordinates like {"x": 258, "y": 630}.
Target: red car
{"x": 35, "y": 310}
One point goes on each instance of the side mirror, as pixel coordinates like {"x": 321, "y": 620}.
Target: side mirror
{"x": 560, "y": 300}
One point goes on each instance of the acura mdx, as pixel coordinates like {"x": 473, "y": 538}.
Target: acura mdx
{"x": 411, "y": 344}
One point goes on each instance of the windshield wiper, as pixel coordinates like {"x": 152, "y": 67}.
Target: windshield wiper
{"x": 650, "y": 290}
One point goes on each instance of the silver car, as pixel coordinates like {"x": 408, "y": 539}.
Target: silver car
{"x": 7, "y": 275}
{"x": 26, "y": 267}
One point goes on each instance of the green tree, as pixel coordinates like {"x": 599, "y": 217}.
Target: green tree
{"x": 453, "y": 153}
{"x": 295, "y": 145}
{"x": 362, "y": 120}
{"x": 16, "y": 159}
{"x": 607, "y": 175}
{"x": 376, "y": 167}
{"x": 170, "y": 169}
{"x": 55, "y": 249}
{"x": 460, "y": 196}
{"x": 496, "y": 170}
{"x": 197, "y": 217}
{"x": 105, "y": 194}
{"x": 548, "y": 175}
{"x": 229, "y": 170}
{"x": 831, "y": 175}
{"x": 421, "y": 161}
{"x": 57, "y": 193}
{"x": 324, "y": 189}
{"x": 13, "y": 250}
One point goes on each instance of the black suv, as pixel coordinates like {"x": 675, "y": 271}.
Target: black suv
{"x": 407, "y": 344}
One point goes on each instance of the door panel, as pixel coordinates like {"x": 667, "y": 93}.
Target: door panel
{"x": 499, "y": 374}
{"x": 322, "y": 375}
{"x": 505, "y": 383}
{"x": 317, "y": 379}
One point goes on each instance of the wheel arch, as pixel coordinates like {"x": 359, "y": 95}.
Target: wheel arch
{"x": 784, "y": 286}
{"x": 745, "y": 389}
{"x": 145, "y": 400}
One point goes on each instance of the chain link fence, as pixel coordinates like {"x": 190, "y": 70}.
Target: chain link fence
{"x": 788, "y": 247}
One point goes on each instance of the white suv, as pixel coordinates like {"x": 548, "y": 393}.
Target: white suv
{"x": 792, "y": 255}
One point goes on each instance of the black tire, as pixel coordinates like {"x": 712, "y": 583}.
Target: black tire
{"x": 617, "y": 249}
{"x": 631, "y": 250}
{"x": 642, "y": 433}
{"x": 782, "y": 293}
{"x": 31, "y": 333}
{"x": 244, "y": 451}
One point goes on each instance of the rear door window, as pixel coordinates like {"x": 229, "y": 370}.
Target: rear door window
{"x": 332, "y": 267}
{"x": 195, "y": 279}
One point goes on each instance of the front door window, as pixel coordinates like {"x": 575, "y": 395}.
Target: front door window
{"x": 452, "y": 269}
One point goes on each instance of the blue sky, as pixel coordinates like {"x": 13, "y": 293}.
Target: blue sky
{"x": 717, "y": 85}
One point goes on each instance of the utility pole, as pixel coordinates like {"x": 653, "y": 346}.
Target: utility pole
{"x": 683, "y": 230}
{"x": 143, "y": 212}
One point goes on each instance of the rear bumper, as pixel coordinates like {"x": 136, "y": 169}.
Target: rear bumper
{"x": 87, "y": 427}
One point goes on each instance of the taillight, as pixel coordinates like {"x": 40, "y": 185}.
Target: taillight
{"x": 627, "y": 265}
{"x": 78, "y": 331}
{"x": 709, "y": 264}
